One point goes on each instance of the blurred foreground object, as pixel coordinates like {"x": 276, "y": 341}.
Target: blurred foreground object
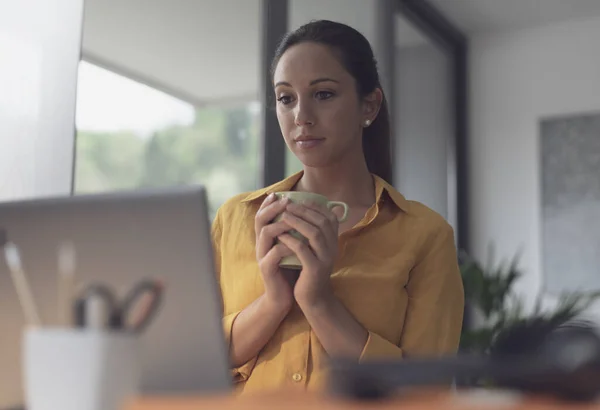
{"x": 535, "y": 357}
{"x": 295, "y": 400}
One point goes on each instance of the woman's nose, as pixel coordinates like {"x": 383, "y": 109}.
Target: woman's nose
{"x": 304, "y": 114}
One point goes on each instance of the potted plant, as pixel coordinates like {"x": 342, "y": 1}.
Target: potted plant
{"x": 491, "y": 305}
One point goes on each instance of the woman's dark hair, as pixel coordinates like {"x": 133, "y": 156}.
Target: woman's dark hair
{"x": 356, "y": 55}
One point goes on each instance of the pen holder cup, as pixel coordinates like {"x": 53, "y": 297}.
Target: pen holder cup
{"x": 71, "y": 369}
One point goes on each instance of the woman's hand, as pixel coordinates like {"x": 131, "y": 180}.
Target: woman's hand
{"x": 268, "y": 254}
{"x": 338, "y": 331}
{"x": 320, "y": 227}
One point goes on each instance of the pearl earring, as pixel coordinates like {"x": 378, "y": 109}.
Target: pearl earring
{"x": 367, "y": 123}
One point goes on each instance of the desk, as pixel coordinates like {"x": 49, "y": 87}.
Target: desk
{"x": 476, "y": 400}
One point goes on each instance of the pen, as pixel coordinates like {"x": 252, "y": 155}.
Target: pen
{"x": 13, "y": 260}
{"x": 66, "y": 283}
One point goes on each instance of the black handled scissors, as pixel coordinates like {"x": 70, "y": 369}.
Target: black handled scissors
{"x": 119, "y": 311}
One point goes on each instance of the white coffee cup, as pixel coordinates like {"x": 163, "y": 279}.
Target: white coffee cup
{"x": 70, "y": 369}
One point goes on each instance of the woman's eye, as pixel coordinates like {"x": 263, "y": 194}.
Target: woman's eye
{"x": 324, "y": 95}
{"x": 284, "y": 99}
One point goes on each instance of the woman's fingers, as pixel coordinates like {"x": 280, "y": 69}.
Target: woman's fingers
{"x": 267, "y": 230}
{"x": 270, "y": 262}
{"x": 267, "y": 201}
{"x": 323, "y": 219}
{"x": 301, "y": 249}
{"x": 329, "y": 215}
{"x": 269, "y": 209}
{"x": 315, "y": 235}
{"x": 267, "y": 235}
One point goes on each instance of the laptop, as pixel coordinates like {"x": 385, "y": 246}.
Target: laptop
{"x": 120, "y": 238}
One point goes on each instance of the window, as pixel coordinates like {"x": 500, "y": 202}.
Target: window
{"x": 132, "y": 136}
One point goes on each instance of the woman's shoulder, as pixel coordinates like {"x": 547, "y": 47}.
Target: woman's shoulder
{"x": 417, "y": 214}
{"x": 428, "y": 220}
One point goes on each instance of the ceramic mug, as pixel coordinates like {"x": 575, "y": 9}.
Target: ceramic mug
{"x": 292, "y": 262}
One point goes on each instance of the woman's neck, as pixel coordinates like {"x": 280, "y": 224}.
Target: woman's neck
{"x": 351, "y": 183}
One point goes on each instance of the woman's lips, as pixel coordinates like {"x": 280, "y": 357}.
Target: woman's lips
{"x": 307, "y": 143}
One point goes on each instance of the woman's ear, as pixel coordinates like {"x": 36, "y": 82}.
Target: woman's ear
{"x": 371, "y": 105}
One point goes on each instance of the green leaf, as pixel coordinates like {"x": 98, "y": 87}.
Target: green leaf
{"x": 490, "y": 291}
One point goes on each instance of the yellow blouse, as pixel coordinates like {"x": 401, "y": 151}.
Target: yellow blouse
{"x": 397, "y": 273}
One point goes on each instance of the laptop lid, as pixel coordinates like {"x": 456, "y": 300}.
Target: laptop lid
{"x": 119, "y": 239}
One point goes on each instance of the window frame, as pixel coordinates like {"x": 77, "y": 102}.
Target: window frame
{"x": 454, "y": 43}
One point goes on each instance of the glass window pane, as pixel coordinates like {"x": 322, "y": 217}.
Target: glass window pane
{"x": 175, "y": 100}
{"x": 425, "y": 121}
{"x": 133, "y": 136}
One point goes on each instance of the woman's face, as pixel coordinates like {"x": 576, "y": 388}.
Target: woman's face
{"x": 318, "y": 108}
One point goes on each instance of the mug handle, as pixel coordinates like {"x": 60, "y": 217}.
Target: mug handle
{"x": 333, "y": 204}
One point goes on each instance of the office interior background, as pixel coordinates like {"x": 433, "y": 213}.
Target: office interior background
{"x": 102, "y": 95}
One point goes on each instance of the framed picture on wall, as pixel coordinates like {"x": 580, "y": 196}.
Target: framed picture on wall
{"x": 570, "y": 188}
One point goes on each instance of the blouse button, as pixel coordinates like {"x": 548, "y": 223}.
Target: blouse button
{"x": 297, "y": 377}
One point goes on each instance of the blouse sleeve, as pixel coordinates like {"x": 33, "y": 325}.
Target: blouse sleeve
{"x": 240, "y": 373}
{"x": 434, "y": 315}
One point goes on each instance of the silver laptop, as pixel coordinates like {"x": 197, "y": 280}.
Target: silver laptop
{"x": 119, "y": 239}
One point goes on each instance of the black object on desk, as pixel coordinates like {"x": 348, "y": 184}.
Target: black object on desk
{"x": 563, "y": 362}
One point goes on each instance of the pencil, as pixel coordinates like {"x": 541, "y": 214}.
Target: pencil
{"x": 13, "y": 260}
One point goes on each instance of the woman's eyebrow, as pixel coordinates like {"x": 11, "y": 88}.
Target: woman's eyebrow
{"x": 313, "y": 82}
{"x": 322, "y": 80}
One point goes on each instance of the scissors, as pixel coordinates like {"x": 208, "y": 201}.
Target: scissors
{"x": 118, "y": 312}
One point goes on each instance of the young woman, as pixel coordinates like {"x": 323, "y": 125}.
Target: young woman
{"x": 383, "y": 284}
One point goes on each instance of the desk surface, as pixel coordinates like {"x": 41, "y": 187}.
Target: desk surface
{"x": 295, "y": 401}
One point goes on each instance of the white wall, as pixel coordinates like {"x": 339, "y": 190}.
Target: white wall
{"x": 360, "y": 14}
{"x": 39, "y": 54}
{"x": 518, "y": 77}
{"x": 424, "y": 124}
